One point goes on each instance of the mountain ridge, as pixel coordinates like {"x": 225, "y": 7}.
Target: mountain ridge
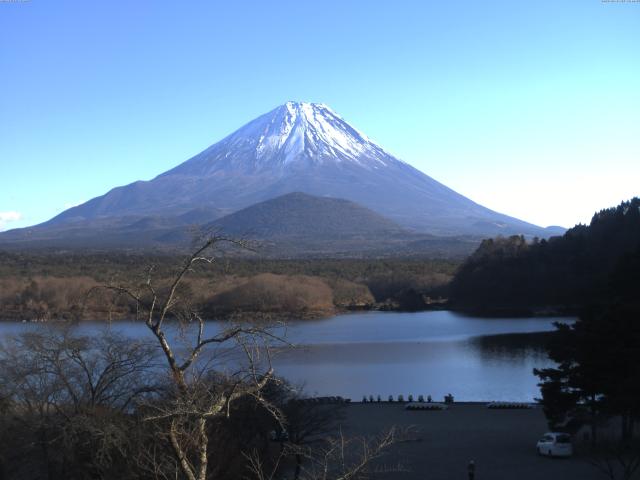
{"x": 296, "y": 147}
{"x": 295, "y": 225}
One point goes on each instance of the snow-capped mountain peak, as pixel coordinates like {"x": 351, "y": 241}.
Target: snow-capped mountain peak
{"x": 292, "y": 136}
{"x": 314, "y": 130}
{"x": 300, "y": 147}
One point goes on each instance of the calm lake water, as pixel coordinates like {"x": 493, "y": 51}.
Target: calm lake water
{"x": 390, "y": 353}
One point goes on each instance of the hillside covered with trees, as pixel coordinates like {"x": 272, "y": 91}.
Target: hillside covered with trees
{"x": 563, "y": 274}
{"x": 595, "y": 380}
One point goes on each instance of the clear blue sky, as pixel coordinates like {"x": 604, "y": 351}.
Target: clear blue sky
{"x": 530, "y": 108}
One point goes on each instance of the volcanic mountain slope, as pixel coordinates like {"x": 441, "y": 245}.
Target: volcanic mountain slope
{"x": 297, "y": 147}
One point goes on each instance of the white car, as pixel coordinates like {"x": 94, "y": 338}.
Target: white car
{"x": 554, "y": 444}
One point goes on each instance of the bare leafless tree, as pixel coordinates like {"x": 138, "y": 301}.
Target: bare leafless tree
{"x": 309, "y": 423}
{"x": 107, "y": 406}
{"x": 336, "y": 458}
{"x": 616, "y": 460}
{"x": 57, "y": 370}
{"x": 193, "y": 403}
{"x": 69, "y": 399}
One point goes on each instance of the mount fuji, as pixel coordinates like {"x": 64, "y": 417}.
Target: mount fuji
{"x": 297, "y": 147}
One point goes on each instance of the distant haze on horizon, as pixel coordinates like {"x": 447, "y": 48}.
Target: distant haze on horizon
{"x": 530, "y": 109}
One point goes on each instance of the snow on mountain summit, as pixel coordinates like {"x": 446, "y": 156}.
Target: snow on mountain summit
{"x": 300, "y": 128}
{"x": 293, "y": 135}
{"x": 300, "y": 147}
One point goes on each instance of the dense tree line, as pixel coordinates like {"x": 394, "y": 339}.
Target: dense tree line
{"x": 596, "y": 380}
{"x": 513, "y": 275}
{"x": 104, "y": 266}
{"x": 592, "y": 271}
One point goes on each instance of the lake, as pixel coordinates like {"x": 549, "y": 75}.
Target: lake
{"x": 390, "y": 353}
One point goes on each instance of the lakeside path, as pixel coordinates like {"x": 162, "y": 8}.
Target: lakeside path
{"x": 501, "y": 442}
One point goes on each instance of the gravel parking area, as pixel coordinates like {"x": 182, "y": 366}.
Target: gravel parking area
{"x": 501, "y": 442}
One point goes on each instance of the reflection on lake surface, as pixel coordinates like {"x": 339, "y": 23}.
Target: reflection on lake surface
{"x": 390, "y": 353}
{"x": 428, "y": 353}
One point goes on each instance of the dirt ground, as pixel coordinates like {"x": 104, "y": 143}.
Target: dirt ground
{"x": 501, "y": 443}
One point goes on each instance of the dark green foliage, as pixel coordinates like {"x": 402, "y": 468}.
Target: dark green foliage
{"x": 598, "y": 358}
{"x": 511, "y": 274}
{"x": 105, "y": 266}
{"x": 594, "y": 270}
{"x": 572, "y": 390}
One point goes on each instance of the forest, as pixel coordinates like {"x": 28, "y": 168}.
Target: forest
{"x": 513, "y": 275}
{"x": 593, "y": 272}
{"x": 595, "y": 382}
{"x": 54, "y": 286}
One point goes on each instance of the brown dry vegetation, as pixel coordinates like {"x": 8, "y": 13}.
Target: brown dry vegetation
{"x": 54, "y": 287}
{"x": 44, "y": 298}
{"x": 67, "y": 298}
{"x": 269, "y": 293}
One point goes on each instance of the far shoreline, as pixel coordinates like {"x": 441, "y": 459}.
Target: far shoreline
{"x": 311, "y": 315}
